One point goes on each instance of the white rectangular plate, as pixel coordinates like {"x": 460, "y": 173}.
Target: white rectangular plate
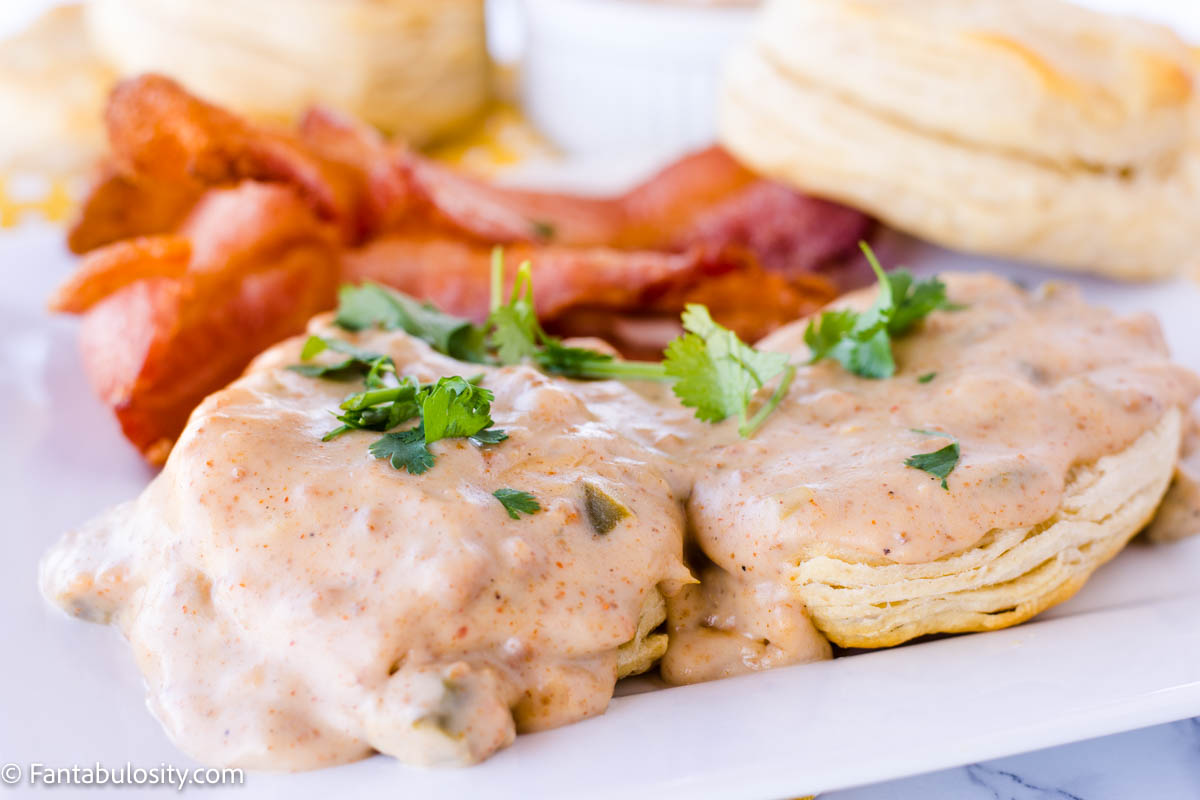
{"x": 1123, "y": 654}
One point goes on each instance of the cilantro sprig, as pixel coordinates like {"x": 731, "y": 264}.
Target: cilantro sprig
{"x": 718, "y": 374}
{"x": 862, "y": 341}
{"x": 713, "y": 371}
{"x": 450, "y": 408}
{"x": 516, "y": 336}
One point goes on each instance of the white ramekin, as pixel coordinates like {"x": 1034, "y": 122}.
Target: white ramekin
{"x": 620, "y": 76}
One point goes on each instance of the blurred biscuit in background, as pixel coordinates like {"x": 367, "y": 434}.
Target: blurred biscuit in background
{"x": 52, "y": 95}
{"x": 1030, "y": 129}
{"x": 415, "y": 69}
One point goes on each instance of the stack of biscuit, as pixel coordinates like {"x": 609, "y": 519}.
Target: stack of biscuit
{"x": 1028, "y": 129}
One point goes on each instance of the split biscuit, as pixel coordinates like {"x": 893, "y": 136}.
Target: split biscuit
{"x": 1009, "y": 576}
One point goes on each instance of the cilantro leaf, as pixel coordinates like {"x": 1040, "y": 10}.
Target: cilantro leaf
{"x": 405, "y": 449}
{"x": 717, "y": 373}
{"x": 487, "y": 436}
{"x": 862, "y": 341}
{"x": 454, "y": 407}
{"x": 939, "y": 463}
{"x": 869, "y": 357}
{"x": 370, "y": 305}
{"x": 828, "y": 331}
{"x": 926, "y": 296}
{"x": 516, "y": 502}
{"x": 927, "y": 377}
{"x": 360, "y": 363}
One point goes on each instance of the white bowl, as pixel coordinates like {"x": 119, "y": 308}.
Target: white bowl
{"x": 620, "y": 76}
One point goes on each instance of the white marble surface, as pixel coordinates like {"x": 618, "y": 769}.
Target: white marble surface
{"x": 1159, "y": 763}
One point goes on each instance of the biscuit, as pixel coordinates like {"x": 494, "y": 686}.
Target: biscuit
{"x": 646, "y": 647}
{"x": 417, "y": 70}
{"x": 52, "y": 94}
{"x": 1010, "y": 575}
{"x": 1030, "y": 130}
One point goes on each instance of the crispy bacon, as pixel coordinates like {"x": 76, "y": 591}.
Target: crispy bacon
{"x": 123, "y": 206}
{"x": 158, "y": 131}
{"x": 453, "y": 274}
{"x": 175, "y": 316}
{"x": 209, "y": 238}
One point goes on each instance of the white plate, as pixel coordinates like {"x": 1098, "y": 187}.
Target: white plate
{"x": 1123, "y": 654}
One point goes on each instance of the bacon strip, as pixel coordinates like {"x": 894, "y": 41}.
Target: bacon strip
{"x": 160, "y": 132}
{"x": 157, "y": 341}
{"x": 209, "y": 238}
{"x": 453, "y": 274}
{"x": 107, "y": 270}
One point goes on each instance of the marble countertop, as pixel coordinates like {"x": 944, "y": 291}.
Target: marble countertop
{"x": 1158, "y": 763}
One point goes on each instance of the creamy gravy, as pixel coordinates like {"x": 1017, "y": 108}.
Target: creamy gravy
{"x": 294, "y": 603}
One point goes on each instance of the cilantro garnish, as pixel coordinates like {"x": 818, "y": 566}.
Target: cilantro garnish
{"x": 713, "y": 370}
{"x": 454, "y": 407}
{"x": 451, "y": 407}
{"x": 513, "y": 329}
{"x": 404, "y": 450}
{"x": 516, "y": 336}
{"x": 370, "y": 305}
{"x": 517, "y": 502}
{"x": 487, "y": 436}
{"x": 862, "y": 341}
{"x": 358, "y": 364}
{"x": 377, "y": 409}
{"x": 939, "y": 463}
{"x": 927, "y": 377}
{"x": 718, "y": 374}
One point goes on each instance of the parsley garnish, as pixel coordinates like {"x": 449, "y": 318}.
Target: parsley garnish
{"x": 862, "y": 341}
{"x": 517, "y": 502}
{"x": 939, "y": 463}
